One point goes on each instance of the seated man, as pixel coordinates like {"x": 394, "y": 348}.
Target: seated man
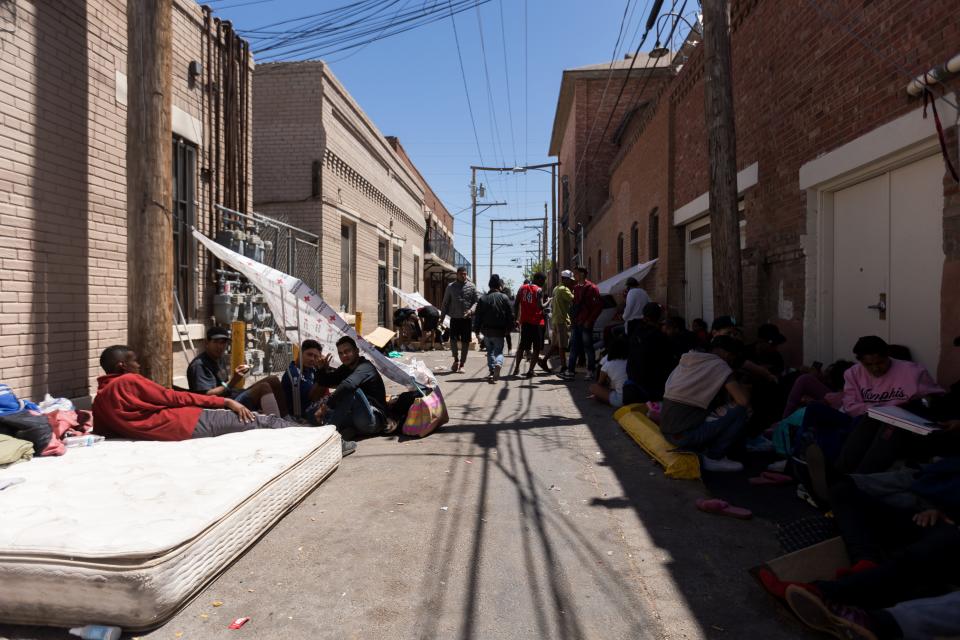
{"x": 609, "y": 388}
{"x": 127, "y": 405}
{"x": 704, "y": 408}
{"x": 359, "y": 401}
{"x": 203, "y": 376}
{"x": 900, "y": 530}
{"x": 311, "y": 353}
{"x": 651, "y": 357}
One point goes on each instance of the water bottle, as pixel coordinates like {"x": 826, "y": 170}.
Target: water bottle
{"x": 96, "y": 632}
{"x": 87, "y": 440}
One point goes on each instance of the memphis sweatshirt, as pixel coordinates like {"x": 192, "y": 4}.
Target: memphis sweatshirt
{"x": 903, "y": 382}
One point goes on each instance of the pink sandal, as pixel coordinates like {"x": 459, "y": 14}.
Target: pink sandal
{"x": 720, "y": 507}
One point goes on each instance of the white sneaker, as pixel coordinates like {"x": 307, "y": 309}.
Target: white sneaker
{"x": 723, "y": 465}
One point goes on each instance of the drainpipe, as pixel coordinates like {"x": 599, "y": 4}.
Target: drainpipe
{"x": 934, "y": 75}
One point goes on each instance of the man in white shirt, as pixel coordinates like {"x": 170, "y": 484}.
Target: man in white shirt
{"x": 636, "y": 299}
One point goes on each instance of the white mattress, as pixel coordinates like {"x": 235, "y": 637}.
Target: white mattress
{"x": 125, "y": 533}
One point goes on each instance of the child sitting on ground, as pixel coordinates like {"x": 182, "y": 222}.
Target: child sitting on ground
{"x": 613, "y": 374}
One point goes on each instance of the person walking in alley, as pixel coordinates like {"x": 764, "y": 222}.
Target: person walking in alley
{"x": 587, "y": 306}
{"x": 459, "y": 301}
{"x": 530, "y": 304}
{"x": 494, "y": 319}
{"x": 560, "y": 302}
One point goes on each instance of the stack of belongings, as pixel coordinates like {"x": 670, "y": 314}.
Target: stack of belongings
{"x": 24, "y": 431}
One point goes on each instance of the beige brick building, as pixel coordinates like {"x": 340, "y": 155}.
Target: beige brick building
{"x": 319, "y": 163}
{"x": 63, "y": 241}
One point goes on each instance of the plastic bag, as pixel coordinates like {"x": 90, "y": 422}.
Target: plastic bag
{"x": 426, "y": 414}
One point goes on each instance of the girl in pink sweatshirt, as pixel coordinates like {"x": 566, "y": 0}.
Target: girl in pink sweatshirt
{"x": 879, "y": 380}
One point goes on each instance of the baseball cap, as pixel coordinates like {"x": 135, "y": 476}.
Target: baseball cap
{"x": 770, "y": 333}
{"x": 566, "y": 273}
{"x": 218, "y": 333}
{"x": 723, "y": 322}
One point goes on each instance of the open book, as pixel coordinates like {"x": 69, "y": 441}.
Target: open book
{"x": 903, "y": 419}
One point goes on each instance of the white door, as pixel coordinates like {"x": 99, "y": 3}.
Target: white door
{"x": 888, "y": 252}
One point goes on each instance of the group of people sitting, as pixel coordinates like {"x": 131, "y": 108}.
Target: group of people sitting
{"x": 352, "y": 397}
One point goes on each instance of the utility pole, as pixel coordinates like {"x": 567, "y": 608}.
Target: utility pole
{"x": 543, "y": 263}
{"x": 554, "y": 237}
{"x": 473, "y": 205}
{"x": 722, "y": 149}
{"x": 149, "y": 183}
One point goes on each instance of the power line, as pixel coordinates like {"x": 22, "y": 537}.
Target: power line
{"x": 506, "y": 73}
{"x": 495, "y": 134}
{"x": 606, "y": 86}
{"x": 466, "y": 90}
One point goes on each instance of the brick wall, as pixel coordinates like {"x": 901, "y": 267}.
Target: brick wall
{"x": 303, "y": 114}
{"x": 63, "y": 187}
{"x": 803, "y": 86}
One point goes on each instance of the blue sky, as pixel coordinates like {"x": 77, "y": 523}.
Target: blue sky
{"x": 411, "y": 86}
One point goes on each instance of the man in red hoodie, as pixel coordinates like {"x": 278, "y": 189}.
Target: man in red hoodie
{"x": 586, "y": 308}
{"x": 128, "y": 405}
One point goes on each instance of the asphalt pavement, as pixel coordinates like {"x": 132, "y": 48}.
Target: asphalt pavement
{"x": 530, "y": 515}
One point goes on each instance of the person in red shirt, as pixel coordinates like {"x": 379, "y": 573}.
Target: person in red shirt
{"x": 530, "y": 303}
{"x": 587, "y": 306}
{"x": 128, "y": 405}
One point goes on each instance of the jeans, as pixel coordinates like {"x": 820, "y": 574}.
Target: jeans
{"x": 929, "y": 618}
{"x": 714, "y": 437}
{"x": 581, "y": 340}
{"x": 494, "y": 351}
{"x": 355, "y": 413}
{"x": 219, "y": 422}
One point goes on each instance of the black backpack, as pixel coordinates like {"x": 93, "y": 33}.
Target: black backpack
{"x": 23, "y": 425}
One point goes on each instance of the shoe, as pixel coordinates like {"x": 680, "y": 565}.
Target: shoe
{"x": 455, "y": 366}
{"x": 723, "y": 465}
{"x": 779, "y": 466}
{"x": 528, "y": 374}
{"x": 566, "y": 375}
{"x": 838, "y": 620}
{"x": 490, "y": 378}
{"x": 496, "y": 373}
{"x": 347, "y": 447}
{"x": 759, "y": 445}
{"x": 460, "y": 368}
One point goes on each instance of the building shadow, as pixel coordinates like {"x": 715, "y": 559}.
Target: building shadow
{"x": 59, "y": 358}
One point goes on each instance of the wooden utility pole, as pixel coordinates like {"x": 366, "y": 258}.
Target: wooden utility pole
{"x": 544, "y": 243}
{"x": 473, "y": 217}
{"x": 722, "y": 150}
{"x": 149, "y": 183}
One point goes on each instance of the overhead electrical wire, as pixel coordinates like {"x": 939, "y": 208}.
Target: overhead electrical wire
{"x": 346, "y": 27}
{"x": 466, "y": 89}
{"x": 491, "y": 102}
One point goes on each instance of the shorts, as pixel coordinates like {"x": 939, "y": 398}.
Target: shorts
{"x": 615, "y": 398}
{"x": 531, "y": 335}
{"x": 561, "y": 335}
{"x": 429, "y": 323}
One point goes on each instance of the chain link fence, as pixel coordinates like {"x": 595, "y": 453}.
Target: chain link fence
{"x": 281, "y": 246}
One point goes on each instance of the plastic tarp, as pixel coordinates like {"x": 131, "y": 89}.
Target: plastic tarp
{"x": 615, "y": 284}
{"x": 302, "y": 314}
{"x": 415, "y": 300}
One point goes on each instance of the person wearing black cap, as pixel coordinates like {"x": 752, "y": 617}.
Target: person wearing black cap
{"x": 204, "y": 377}
{"x": 704, "y": 407}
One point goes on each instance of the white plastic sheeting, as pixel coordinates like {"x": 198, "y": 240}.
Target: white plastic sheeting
{"x": 615, "y": 284}
{"x": 302, "y": 314}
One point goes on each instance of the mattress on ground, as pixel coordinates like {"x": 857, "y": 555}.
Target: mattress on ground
{"x": 125, "y": 533}
{"x": 645, "y": 432}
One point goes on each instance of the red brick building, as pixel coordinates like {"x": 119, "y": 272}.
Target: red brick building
{"x": 587, "y": 132}
{"x": 846, "y": 201}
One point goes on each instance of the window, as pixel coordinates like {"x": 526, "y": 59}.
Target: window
{"x": 416, "y": 273}
{"x": 184, "y": 217}
{"x": 346, "y": 266}
{"x": 635, "y": 244}
{"x": 619, "y": 253}
{"x": 382, "y": 283}
{"x": 653, "y": 233}
{"x": 396, "y": 267}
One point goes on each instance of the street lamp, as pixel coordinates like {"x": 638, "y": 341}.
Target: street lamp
{"x": 659, "y": 50}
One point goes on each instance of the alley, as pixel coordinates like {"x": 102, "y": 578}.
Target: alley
{"x": 530, "y": 515}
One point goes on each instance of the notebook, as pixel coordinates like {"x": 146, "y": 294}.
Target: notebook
{"x": 900, "y": 417}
